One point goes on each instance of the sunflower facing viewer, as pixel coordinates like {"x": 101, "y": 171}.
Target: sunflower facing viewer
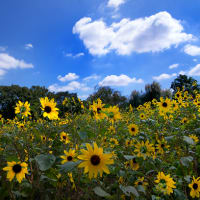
{"x": 195, "y": 187}
{"x": 95, "y": 161}
{"x": 19, "y": 169}
{"x": 49, "y": 108}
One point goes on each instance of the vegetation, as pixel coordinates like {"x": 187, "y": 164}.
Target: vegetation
{"x": 58, "y": 147}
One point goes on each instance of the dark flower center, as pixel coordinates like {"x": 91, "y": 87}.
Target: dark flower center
{"x": 164, "y": 104}
{"x": 162, "y": 145}
{"x": 44, "y": 138}
{"x": 195, "y": 186}
{"x": 133, "y": 129}
{"x": 177, "y": 95}
{"x": 47, "y": 109}
{"x": 134, "y": 160}
{"x": 64, "y": 137}
{"x": 98, "y": 110}
{"x": 95, "y": 160}
{"x": 140, "y": 183}
{"x": 17, "y": 168}
{"x": 69, "y": 158}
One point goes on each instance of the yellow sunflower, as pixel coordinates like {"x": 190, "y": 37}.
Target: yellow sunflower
{"x": 195, "y": 187}
{"x": 144, "y": 150}
{"x": 162, "y": 146}
{"x": 165, "y": 183}
{"x": 19, "y": 169}
{"x": 113, "y": 142}
{"x": 49, "y": 108}
{"x": 98, "y": 109}
{"x": 133, "y": 129}
{"x": 194, "y": 137}
{"x": 64, "y": 137}
{"x": 164, "y": 105}
{"x": 142, "y": 116}
{"x": 23, "y": 109}
{"x": 43, "y": 138}
{"x": 132, "y": 164}
{"x": 141, "y": 181}
{"x": 69, "y": 156}
{"x": 95, "y": 161}
{"x": 113, "y": 113}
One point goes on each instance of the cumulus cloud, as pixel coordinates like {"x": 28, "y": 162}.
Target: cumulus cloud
{"x": 28, "y": 46}
{"x": 74, "y": 56}
{"x": 115, "y": 3}
{"x": 150, "y": 34}
{"x": 192, "y": 50}
{"x": 92, "y": 77}
{"x": 173, "y": 66}
{"x": 74, "y": 85}
{"x": 164, "y": 76}
{"x": 8, "y": 62}
{"x": 121, "y": 80}
{"x": 68, "y": 77}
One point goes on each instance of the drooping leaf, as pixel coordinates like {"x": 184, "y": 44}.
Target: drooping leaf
{"x": 100, "y": 192}
{"x": 45, "y": 161}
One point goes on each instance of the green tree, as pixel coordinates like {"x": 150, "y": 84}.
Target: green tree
{"x": 188, "y": 83}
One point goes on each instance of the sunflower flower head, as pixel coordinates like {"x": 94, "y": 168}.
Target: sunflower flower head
{"x": 22, "y": 109}
{"x": 165, "y": 183}
{"x": 195, "y": 187}
{"x": 17, "y": 169}
{"x": 95, "y": 161}
{"x": 49, "y": 108}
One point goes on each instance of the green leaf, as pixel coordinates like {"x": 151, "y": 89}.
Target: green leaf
{"x": 45, "y": 161}
{"x": 141, "y": 189}
{"x": 179, "y": 195}
{"x": 68, "y": 166}
{"x": 188, "y": 140}
{"x": 127, "y": 190}
{"x": 100, "y": 192}
{"x": 128, "y": 157}
{"x": 187, "y": 178}
{"x": 83, "y": 135}
{"x": 185, "y": 161}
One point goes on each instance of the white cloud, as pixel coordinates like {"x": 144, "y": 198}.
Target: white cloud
{"x": 192, "y": 50}
{"x": 74, "y": 56}
{"x": 182, "y": 72}
{"x": 8, "y": 62}
{"x": 173, "y": 66}
{"x": 68, "y": 77}
{"x": 121, "y": 80}
{"x": 150, "y": 34}
{"x": 28, "y": 46}
{"x": 164, "y": 76}
{"x": 195, "y": 71}
{"x": 74, "y": 85}
{"x": 195, "y": 60}
{"x": 3, "y": 48}
{"x": 115, "y": 3}
{"x": 92, "y": 77}
{"x": 83, "y": 97}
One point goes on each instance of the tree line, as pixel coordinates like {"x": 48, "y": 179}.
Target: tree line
{"x": 10, "y": 95}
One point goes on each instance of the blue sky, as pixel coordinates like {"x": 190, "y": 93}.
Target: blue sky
{"x": 75, "y": 45}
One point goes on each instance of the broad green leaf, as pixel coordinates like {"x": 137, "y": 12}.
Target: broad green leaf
{"x": 127, "y": 190}
{"x": 45, "y": 161}
{"x": 100, "y": 192}
{"x": 83, "y": 135}
{"x": 185, "y": 161}
{"x": 188, "y": 140}
{"x": 128, "y": 157}
{"x": 68, "y": 166}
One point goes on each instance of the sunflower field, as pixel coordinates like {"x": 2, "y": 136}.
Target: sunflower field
{"x": 148, "y": 152}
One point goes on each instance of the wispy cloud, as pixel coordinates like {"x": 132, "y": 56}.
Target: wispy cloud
{"x": 92, "y": 77}
{"x": 173, "y": 66}
{"x": 115, "y": 3}
{"x": 74, "y": 56}
{"x": 28, "y": 46}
